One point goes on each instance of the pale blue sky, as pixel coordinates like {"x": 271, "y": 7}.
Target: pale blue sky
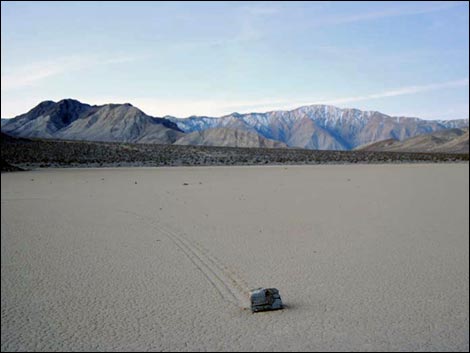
{"x": 214, "y": 58}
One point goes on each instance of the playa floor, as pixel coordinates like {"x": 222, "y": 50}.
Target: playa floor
{"x": 366, "y": 257}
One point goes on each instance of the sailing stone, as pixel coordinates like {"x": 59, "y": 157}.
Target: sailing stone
{"x": 264, "y": 299}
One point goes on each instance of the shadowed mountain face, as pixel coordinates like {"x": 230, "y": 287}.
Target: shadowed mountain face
{"x": 446, "y": 141}
{"x": 70, "y": 119}
{"x": 228, "y": 137}
{"x": 322, "y": 126}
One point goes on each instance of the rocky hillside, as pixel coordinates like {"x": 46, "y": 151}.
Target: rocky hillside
{"x": 445, "y": 141}
{"x": 228, "y": 137}
{"x": 72, "y": 120}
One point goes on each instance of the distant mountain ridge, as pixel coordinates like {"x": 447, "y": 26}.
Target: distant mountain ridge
{"x": 320, "y": 127}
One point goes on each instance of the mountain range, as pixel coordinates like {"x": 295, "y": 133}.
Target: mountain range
{"x": 320, "y": 127}
{"x": 444, "y": 141}
{"x": 72, "y": 120}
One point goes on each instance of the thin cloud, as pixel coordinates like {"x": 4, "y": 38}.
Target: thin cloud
{"x": 282, "y": 104}
{"x": 221, "y": 106}
{"x": 33, "y": 74}
{"x": 260, "y": 10}
{"x": 391, "y": 12}
{"x": 399, "y": 92}
{"x": 251, "y": 26}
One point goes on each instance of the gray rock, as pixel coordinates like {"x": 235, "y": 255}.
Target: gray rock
{"x": 263, "y": 299}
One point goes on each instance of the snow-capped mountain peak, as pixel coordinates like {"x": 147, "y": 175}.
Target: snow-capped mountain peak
{"x": 322, "y": 126}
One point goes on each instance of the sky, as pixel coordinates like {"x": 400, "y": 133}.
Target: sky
{"x": 215, "y": 58}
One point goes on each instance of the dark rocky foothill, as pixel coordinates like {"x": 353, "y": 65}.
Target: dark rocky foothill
{"x": 43, "y": 153}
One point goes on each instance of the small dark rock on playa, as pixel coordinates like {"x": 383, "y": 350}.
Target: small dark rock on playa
{"x": 264, "y": 299}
